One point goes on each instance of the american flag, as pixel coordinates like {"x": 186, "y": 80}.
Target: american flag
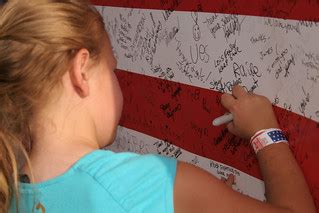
{"x": 175, "y": 58}
{"x": 277, "y": 135}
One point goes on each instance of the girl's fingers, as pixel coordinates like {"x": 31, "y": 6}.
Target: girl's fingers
{"x": 230, "y": 181}
{"x": 239, "y": 91}
{"x": 227, "y": 101}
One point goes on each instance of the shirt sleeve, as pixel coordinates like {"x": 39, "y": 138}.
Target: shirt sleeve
{"x": 140, "y": 183}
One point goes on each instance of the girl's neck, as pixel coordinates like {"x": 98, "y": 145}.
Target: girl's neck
{"x": 48, "y": 163}
{"x": 59, "y": 140}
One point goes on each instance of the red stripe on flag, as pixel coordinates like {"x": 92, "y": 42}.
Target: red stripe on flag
{"x": 182, "y": 115}
{"x": 287, "y": 9}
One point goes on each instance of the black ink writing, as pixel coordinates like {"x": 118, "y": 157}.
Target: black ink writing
{"x": 200, "y": 53}
{"x": 228, "y": 55}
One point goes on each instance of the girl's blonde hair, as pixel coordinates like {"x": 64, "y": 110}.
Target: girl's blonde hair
{"x": 38, "y": 39}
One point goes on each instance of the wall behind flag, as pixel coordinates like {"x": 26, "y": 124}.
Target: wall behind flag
{"x": 176, "y": 57}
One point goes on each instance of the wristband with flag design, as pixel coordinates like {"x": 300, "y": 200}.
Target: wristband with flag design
{"x": 267, "y": 137}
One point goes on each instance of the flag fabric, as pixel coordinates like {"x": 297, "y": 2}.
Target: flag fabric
{"x": 176, "y": 58}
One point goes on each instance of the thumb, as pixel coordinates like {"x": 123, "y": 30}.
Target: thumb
{"x": 231, "y": 128}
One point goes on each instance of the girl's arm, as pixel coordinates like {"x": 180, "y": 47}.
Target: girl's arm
{"x": 196, "y": 190}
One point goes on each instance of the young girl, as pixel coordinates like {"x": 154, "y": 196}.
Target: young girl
{"x": 60, "y": 102}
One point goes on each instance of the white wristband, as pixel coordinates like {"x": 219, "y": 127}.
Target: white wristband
{"x": 267, "y": 137}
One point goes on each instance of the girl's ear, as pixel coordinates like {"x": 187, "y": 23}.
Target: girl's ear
{"x": 79, "y": 73}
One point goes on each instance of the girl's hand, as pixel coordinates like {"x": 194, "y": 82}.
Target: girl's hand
{"x": 230, "y": 181}
{"x": 251, "y": 112}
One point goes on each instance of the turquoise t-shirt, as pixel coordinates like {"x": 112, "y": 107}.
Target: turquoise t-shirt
{"x": 104, "y": 181}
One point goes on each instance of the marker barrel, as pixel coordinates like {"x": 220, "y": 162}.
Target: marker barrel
{"x": 223, "y": 119}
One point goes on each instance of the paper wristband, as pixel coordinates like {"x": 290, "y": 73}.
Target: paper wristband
{"x": 267, "y": 137}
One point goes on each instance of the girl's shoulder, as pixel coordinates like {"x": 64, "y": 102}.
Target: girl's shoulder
{"x": 103, "y": 164}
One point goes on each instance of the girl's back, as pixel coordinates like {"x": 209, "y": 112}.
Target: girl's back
{"x": 103, "y": 181}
